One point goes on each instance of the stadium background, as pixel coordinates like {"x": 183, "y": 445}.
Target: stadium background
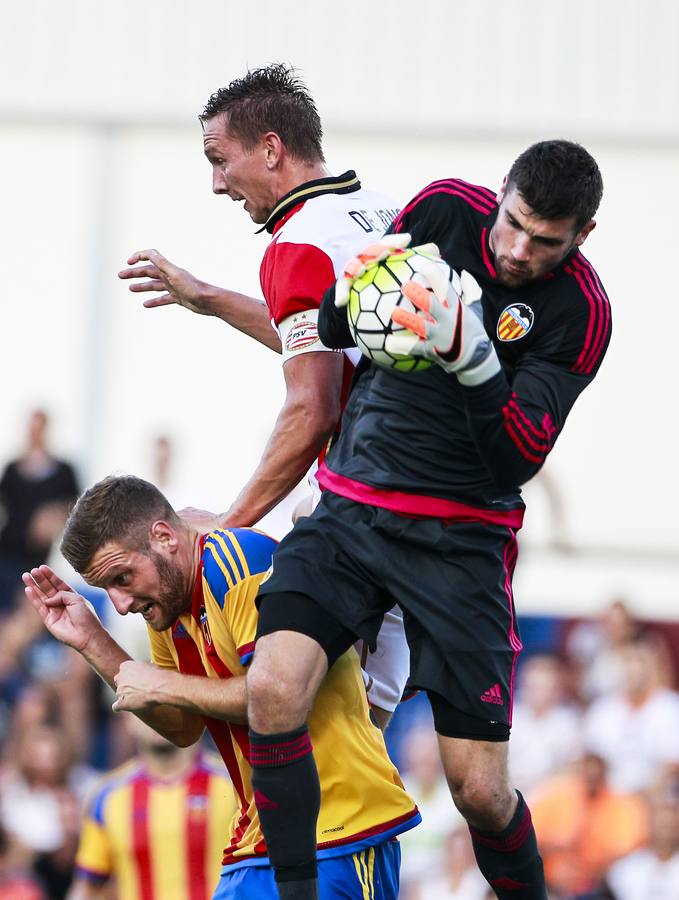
{"x": 101, "y": 155}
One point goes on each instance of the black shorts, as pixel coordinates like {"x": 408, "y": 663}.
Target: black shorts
{"x": 452, "y": 581}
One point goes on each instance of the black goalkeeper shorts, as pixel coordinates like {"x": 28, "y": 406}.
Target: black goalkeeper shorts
{"x": 452, "y": 581}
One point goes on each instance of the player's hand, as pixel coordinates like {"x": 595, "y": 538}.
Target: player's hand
{"x": 448, "y": 327}
{"x": 200, "y": 519}
{"x": 139, "y": 686}
{"x": 357, "y": 265}
{"x": 179, "y": 286}
{"x": 66, "y": 615}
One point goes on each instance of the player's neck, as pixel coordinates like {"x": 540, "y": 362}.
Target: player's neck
{"x": 299, "y": 173}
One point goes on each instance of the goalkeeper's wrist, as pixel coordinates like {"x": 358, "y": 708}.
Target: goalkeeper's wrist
{"x": 482, "y": 371}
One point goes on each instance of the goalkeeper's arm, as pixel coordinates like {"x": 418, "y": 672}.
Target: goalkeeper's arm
{"x": 333, "y": 328}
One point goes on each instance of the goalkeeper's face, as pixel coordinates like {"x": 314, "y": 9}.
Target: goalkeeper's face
{"x": 242, "y": 173}
{"x": 527, "y": 247}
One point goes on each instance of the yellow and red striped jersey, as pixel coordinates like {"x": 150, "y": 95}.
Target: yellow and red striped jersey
{"x": 363, "y": 800}
{"x": 159, "y": 840}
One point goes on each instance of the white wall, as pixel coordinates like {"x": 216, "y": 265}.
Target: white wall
{"x": 78, "y": 196}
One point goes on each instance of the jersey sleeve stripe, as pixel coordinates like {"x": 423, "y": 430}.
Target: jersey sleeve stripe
{"x": 257, "y": 548}
{"x": 544, "y": 434}
{"x": 482, "y": 194}
{"x": 520, "y": 445}
{"x": 604, "y": 322}
{"x": 246, "y": 652}
{"x": 480, "y": 204}
{"x": 232, "y": 553}
{"x": 90, "y": 875}
{"x": 220, "y": 576}
{"x": 599, "y": 315}
{"x": 532, "y": 442}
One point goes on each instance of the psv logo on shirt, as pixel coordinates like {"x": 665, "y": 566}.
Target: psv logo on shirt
{"x": 303, "y": 334}
{"x": 515, "y": 322}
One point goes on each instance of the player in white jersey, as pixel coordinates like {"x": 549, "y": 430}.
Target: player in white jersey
{"x": 262, "y": 136}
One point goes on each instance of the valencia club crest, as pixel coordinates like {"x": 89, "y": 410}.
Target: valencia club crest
{"x": 515, "y": 322}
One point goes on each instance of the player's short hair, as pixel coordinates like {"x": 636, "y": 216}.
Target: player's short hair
{"x": 558, "y": 179}
{"x": 272, "y": 98}
{"x": 119, "y": 508}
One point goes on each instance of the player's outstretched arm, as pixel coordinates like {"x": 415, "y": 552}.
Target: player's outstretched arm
{"x": 141, "y": 686}
{"x": 178, "y": 286}
{"x": 306, "y": 422}
{"x": 70, "y": 619}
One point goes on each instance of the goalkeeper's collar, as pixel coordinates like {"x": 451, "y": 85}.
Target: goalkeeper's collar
{"x": 340, "y": 184}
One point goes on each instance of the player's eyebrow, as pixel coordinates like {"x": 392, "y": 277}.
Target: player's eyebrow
{"x": 538, "y": 238}
{"x": 110, "y": 576}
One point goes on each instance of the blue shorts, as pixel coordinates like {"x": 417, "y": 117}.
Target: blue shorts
{"x": 370, "y": 874}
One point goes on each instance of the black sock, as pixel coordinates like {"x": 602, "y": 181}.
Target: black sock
{"x": 288, "y": 799}
{"x": 510, "y": 860}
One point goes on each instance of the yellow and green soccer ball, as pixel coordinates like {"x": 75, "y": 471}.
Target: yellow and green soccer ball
{"x": 372, "y": 297}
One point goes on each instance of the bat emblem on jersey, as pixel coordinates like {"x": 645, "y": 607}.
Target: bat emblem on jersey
{"x": 515, "y": 322}
{"x": 205, "y": 626}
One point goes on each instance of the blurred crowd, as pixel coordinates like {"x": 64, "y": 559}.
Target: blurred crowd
{"x": 595, "y": 751}
{"x": 594, "y": 748}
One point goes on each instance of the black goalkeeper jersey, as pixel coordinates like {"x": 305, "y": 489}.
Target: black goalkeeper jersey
{"x": 423, "y": 444}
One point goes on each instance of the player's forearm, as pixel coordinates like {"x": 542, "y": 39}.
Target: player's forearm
{"x": 512, "y": 439}
{"x": 244, "y": 313}
{"x": 106, "y": 656}
{"x": 299, "y": 436}
{"x": 216, "y": 697}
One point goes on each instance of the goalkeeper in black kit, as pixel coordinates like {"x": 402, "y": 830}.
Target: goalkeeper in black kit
{"x": 422, "y": 501}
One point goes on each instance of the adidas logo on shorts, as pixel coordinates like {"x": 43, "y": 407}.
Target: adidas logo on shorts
{"x": 493, "y": 695}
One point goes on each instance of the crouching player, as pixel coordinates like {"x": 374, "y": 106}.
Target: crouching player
{"x": 197, "y": 596}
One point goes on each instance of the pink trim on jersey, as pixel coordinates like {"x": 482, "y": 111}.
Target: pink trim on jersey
{"x": 486, "y": 257}
{"x": 526, "y": 436}
{"x": 474, "y": 195}
{"x": 510, "y": 556}
{"x": 415, "y": 505}
{"x": 599, "y": 314}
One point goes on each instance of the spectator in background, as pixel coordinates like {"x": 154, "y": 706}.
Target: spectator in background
{"x": 16, "y": 882}
{"x": 39, "y": 807}
{"x": 593, "y": 646}
{"x": 652, "y": 872}
{"x": 583, "y": 825}
{"x": 156, "y": 825}
{"x": 36, "y": 491}
{"x": 456, "y": 877}
{"x": 422, "y": 847}
{"x": 636, "y": 728}
{"x": 546, "y": 728}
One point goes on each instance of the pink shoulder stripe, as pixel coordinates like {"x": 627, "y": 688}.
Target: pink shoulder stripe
{"x": 477, "y": 202}
{"x": 599, "y": 314}
{"x": 483, "y": 194}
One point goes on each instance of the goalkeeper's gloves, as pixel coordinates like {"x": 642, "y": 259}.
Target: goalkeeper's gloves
{"x": 448, "y": 329}
{"x": 357, "y": 265}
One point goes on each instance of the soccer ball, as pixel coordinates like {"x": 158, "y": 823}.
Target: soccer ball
{"x": 372, "y": 297}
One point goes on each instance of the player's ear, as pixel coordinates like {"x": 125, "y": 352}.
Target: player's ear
{"x": 163, "y": 535}
{"x": 273, "y": 149}
{"x": 584, "y": 231}
{"x": 503, "y": 190}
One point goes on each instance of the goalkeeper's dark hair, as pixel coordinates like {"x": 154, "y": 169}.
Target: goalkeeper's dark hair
{"x": 558, "y": 179}
{"x": 272, "y": 98}
{"x": 119, "y": 508}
